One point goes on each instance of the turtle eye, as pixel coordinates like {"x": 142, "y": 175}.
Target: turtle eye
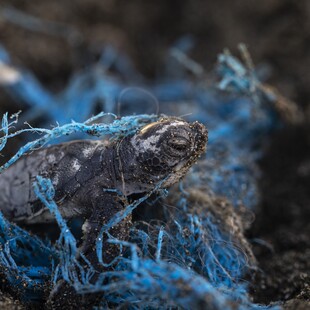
{"x": 179, "y": 144}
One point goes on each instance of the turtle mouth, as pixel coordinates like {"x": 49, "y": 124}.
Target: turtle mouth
{"x": 201, "y": 138}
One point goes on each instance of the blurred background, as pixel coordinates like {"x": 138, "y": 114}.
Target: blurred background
{"x": 277, "y": 33}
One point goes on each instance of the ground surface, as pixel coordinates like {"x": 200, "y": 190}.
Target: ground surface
{"x": 277, "y": 33}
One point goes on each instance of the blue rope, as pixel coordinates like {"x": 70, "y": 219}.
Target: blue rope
{"x": 185, "y": 261}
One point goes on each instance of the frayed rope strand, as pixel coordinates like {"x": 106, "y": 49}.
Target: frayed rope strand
{"x": 119, "y": 127}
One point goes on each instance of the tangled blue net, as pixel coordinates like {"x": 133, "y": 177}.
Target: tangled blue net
{"x": 185, "y": 260}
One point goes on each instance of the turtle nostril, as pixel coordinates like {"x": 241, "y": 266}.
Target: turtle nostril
{"x": 201, "y": 132}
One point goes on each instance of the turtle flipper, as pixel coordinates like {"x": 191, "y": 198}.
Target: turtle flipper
{"x": 105, "y": 206}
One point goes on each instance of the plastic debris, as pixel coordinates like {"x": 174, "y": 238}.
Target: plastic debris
{"x": 190, "y": 258}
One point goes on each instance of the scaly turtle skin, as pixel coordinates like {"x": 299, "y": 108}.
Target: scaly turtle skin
{"x": 85, "y": 175}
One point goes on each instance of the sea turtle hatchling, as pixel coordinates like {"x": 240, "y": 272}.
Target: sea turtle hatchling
{"x": 89, "y": 177}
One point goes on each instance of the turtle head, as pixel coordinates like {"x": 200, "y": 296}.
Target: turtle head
{"x": 168, "y": 148}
